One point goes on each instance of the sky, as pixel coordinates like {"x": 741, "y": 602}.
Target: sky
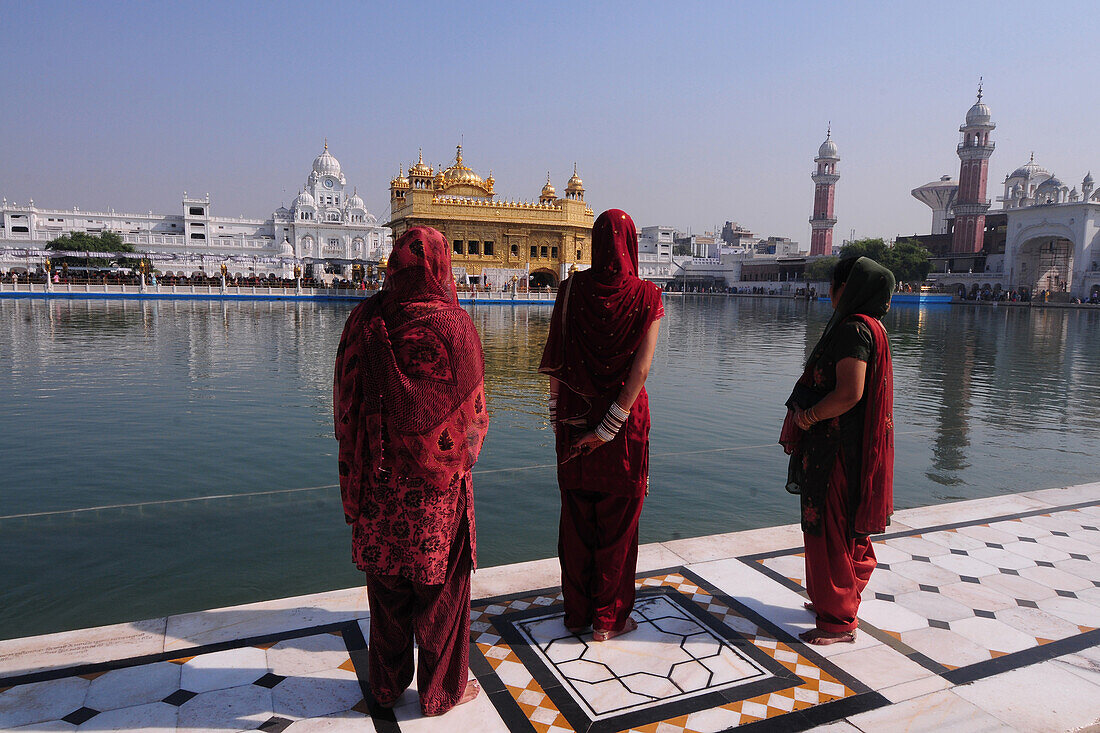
{"x": 684, "y": 114}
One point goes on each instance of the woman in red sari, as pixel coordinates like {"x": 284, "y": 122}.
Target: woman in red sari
{"x": 410, "y": 417}
{"x": 602, "y": 336}
{"x": 839, "y": 433}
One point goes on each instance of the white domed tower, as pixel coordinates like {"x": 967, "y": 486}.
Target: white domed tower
{"x": 326, "y": 184}
{"x": 825, "y": 178}
{"x": 970, "y": 203}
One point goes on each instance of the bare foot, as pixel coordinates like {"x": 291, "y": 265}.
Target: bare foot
{"x": 605, "y": 634}
{"x": 472, "y": 690}
{"x": 808, "y": 606}
{"x": 817, "y": 637}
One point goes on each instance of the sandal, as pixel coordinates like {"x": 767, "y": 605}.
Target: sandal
{"x": 606, "y": 634}
{"x": 818, "y": 637}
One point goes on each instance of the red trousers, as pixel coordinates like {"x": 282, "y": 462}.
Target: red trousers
{"x": 598, "y": 552}
{"x": 838, "y": 565}
{"x": 439, "y": 618}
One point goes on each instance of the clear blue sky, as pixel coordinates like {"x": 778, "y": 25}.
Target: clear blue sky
{"x": 682, "y": 113}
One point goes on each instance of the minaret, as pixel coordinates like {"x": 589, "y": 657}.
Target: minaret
{"x": 825, "y": 178}
{"x": 971, "y": 203}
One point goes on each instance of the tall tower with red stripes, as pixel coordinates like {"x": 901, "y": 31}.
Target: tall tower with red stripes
{"x": 825, "y": 178}
{"x": 970, "y": 203}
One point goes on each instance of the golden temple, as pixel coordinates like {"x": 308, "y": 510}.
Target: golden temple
{"x": 495, "y": 242}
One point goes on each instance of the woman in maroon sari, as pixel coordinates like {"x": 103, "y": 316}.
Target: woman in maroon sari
{"x": 602, "y": 336}
{"x": 410, "y": 417}
{"x": 839, "y": 433}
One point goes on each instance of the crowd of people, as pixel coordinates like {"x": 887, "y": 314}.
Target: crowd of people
{"x": 410, "y": 416}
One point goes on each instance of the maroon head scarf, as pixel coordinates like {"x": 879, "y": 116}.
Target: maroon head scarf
{"x": 602, "y": 314}
{"x": 410, "y": 411}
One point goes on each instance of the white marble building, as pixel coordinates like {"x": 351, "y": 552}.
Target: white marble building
{"x": 324, "y": 226}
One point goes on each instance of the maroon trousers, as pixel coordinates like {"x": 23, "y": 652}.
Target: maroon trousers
{"x": 838, "y": 566}
{"x": 598, "y": 552}
{"x": 438, "y": 616}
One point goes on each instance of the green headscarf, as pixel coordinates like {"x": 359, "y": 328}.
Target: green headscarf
{"x": 867, "y": 290}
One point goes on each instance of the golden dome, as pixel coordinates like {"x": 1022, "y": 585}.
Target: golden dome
{"x": 460, "y": 175}
{"x": 420, "y": 169}
{"x": 400, "y": 181}
{"x": 575, "y": 182}
{"x": 548, "y": 190}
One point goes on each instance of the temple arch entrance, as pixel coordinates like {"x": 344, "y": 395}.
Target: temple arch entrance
{"x": 543, "y": 278}
{"x": 1045, "y": 263}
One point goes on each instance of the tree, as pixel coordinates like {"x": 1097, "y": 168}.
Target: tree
{"x": 907, "y": 259}
{"x": 105, "y": 243}
{"x": 820, "y": 269}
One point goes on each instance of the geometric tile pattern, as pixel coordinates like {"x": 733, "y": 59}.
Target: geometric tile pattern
{"x": 973, "y": 599}
{"x": 266, "y": 685}
{"x": 699, "y": 661}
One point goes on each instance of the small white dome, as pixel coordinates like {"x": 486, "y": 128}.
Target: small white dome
{"x": 326, "y": 163}
{"x": 979, "y": 114}
{"x": 305, "y": 200}
{"x": 286, "y": 248}
{"x": 828, "y": 149}
{"x": 355, "y": 202}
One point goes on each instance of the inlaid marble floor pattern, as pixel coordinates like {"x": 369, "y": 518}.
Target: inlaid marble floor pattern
{"x": 957, "y": 598}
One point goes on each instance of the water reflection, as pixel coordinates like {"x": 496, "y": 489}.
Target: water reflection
{"x": 113, "y": 402}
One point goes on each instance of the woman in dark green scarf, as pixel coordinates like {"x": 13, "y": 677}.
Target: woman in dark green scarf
{"x": 839, "y": 433}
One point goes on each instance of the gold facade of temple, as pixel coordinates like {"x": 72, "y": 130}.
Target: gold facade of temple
{"x": 495, "y": 242}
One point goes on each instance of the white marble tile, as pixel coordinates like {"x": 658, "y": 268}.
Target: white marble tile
{"x": 889, "y": 582}
{"x": 1002, "y": 558}
{"x": 1020, "y": 528}
{"x": 1085, "y": 568}
{"x": 477, "y": 715}
{"x": 1018, "y": 587}
{"x": 954, "y": 540}
{"x": 777, "y": 603}
{"x": 879, "y": 666}
{"x": 234, "y": 709}
{"x": 129, "y": 686}
{"x": 221, "y": 670}
{"x": 1072, "y": 544}
{"x": 736, "y": 544}
{"x": 945, "y": 647}
{"x": 924, "y": 572}
{"x": 988, "y": 534}
{"x": 933, "y": 606}
{"x": 789, "y": 566}
{"x": 1055, "y": 578}
{"x": 1067, "y": 495}
{"x": 156, "y": 717}
{"x": 52, "y": 725}
{"x": 41, "y": 701}
{"x": 1037, "y": 623}
{"x": 977, "y": 596}
{"x": 268, "y": 617}
{"x": 840, "y": 726}
{"x": 933, "y": 713}
{"x": 1042, "y": 697}
{"x": 915, "y": 688}
{"x": 307, "y": 654}
{"x": 1055, "y": 522}
{"x": 885, "y": 553}
{"x": 605, "y": 697}
{"x": 993, "y": 634}
{"x": 657, "y": 556}
{"x": 1071, "y": 610}
{"x": 504, "y": 580}
{"x": 890, "y": 616}
{"x": 964, "y": 511}
{"x": 84, "y": 646}
{"x": 916, "y": 546}
{"x": 343, "y": 721}
{"x": 712, "y": 720}
{"x": 1085, "y": 664}
{"x": 316, "y": 694}
{"x": 964, "y": 565}
{"x": 1037, "y": 551}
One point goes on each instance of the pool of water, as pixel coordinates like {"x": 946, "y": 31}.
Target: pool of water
{"x": 202, "y": 432}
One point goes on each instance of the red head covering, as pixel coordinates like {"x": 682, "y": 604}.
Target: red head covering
{"x": 410, "y": 411}
{"x": 602, "y": 314}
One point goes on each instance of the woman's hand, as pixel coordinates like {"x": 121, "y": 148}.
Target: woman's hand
{"x": 585, "y": 444}
{"x": 802, "y": 421}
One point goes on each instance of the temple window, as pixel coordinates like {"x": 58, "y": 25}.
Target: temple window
{"x": 473, "y": 248}
{"x": 488, "y": 248}
{"x": 515, "y": 250}
{"x": 534, "y": 251}
{"x": 553, "y": 251}
{"x": 458, "y": 246}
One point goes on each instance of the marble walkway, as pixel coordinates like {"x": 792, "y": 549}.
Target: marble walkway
{"x": 982, "y": 615}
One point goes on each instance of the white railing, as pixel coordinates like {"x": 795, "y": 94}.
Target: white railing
{"x": 230, "y": 291}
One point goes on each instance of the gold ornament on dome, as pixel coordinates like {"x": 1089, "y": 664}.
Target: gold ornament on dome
{"x": 420, "y": 169}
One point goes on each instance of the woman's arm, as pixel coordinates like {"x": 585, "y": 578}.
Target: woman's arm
{"x": 851, "y": 375}
{"x": 632, "y": 387}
